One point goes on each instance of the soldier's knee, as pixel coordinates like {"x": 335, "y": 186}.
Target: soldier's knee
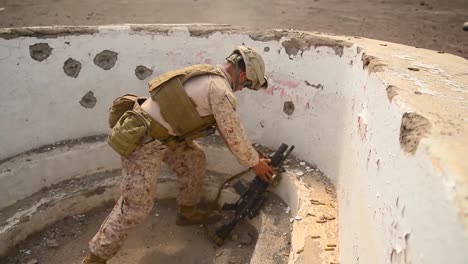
{"x": 135, "y": 212}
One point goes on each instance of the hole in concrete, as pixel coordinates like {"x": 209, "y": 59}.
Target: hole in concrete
{"x": 88, "y": 101}
{"x": 106, "y": 59}
{"x": 72, "y": 67}
{"x": 266, "y": 49}
{"x": 143, "y": 72}
{"x": 288, "y": 107}
{"x": 413, "y": 128}
{"x": 40, "y": 51}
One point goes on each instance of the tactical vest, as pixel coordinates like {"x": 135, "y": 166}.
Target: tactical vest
{"x": 131, "y": 126}
{"x": 175, "y": 105}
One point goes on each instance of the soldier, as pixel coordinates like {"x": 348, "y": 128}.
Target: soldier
{"x": 185, "y": 105}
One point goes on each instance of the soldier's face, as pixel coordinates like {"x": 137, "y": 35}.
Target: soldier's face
{"x": 242, "y": 81}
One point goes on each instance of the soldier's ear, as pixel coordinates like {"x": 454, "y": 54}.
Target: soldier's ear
{"x": 242, "y": 74}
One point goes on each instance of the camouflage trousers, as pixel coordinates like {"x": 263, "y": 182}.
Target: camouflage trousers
{"x": 138, "y": 190}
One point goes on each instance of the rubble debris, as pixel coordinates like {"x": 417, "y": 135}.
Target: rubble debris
{"x": 300, "y": 250}
{"x": 32, "y": 261}
{"x": 316, "y": 202}
{"x": 52, "y": 243}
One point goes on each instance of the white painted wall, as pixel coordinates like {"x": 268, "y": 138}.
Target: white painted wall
{"x": 384, "y": 194}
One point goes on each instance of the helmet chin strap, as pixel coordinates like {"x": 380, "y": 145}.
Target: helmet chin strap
{"x": 236, "y": 75}
{"x": 234, "y": 59}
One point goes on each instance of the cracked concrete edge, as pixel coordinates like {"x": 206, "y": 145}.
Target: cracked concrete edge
{"x": 305, "y": 39}
{"x": 432, "y": 85}
{"x": 47, "y": 32}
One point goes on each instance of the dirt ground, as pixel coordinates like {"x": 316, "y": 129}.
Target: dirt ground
{"x": 432, "y": 24}
{"x": 157, "y": 240}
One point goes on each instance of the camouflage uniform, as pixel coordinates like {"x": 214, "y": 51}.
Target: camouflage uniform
{"x": 141, "y": 170}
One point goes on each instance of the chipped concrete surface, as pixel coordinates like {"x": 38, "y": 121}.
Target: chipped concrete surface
{"x": 143, "y": 72}
{"x": 365, "y": 160}
{"x": 300, "y": 42}
{"x": 439, "y": 92}
{"x": 46, "y": 32}
{"x": 40, "y": 51}
{"x": 72, "y": 68}
{"x": 288, "y": 107}
{"x": 88, "y": 100}
{"x": 413, "y": 128}
{"x": 106, "y": 59}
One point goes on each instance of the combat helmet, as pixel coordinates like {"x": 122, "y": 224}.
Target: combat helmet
{"x": 254, "y": 67}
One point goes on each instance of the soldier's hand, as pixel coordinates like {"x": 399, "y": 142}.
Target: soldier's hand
{"x": 263, "y": 170}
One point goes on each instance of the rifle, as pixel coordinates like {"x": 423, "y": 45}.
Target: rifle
{"x": 251, "y": 199}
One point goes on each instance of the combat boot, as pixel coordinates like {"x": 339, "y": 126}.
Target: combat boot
{"x": 195, "y": 215}
{"x": 93, "y": 259}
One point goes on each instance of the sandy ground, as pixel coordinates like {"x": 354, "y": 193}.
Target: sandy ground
{"x": 157, "y": 240}
{"x": 432, "y": 24}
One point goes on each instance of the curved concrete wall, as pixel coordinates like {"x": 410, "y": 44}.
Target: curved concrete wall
{"x": 387, "y": 123}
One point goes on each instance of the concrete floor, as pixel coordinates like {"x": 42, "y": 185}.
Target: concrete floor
{"x": 432, "y": 24}
{"x": 156, "y": 240}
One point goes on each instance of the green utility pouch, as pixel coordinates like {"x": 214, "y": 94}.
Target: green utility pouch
{"x": 119, "y": 106}
{"x": 128, "y": 132}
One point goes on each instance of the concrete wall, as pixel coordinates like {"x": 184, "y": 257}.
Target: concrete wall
{"x": 386, "y": 122}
